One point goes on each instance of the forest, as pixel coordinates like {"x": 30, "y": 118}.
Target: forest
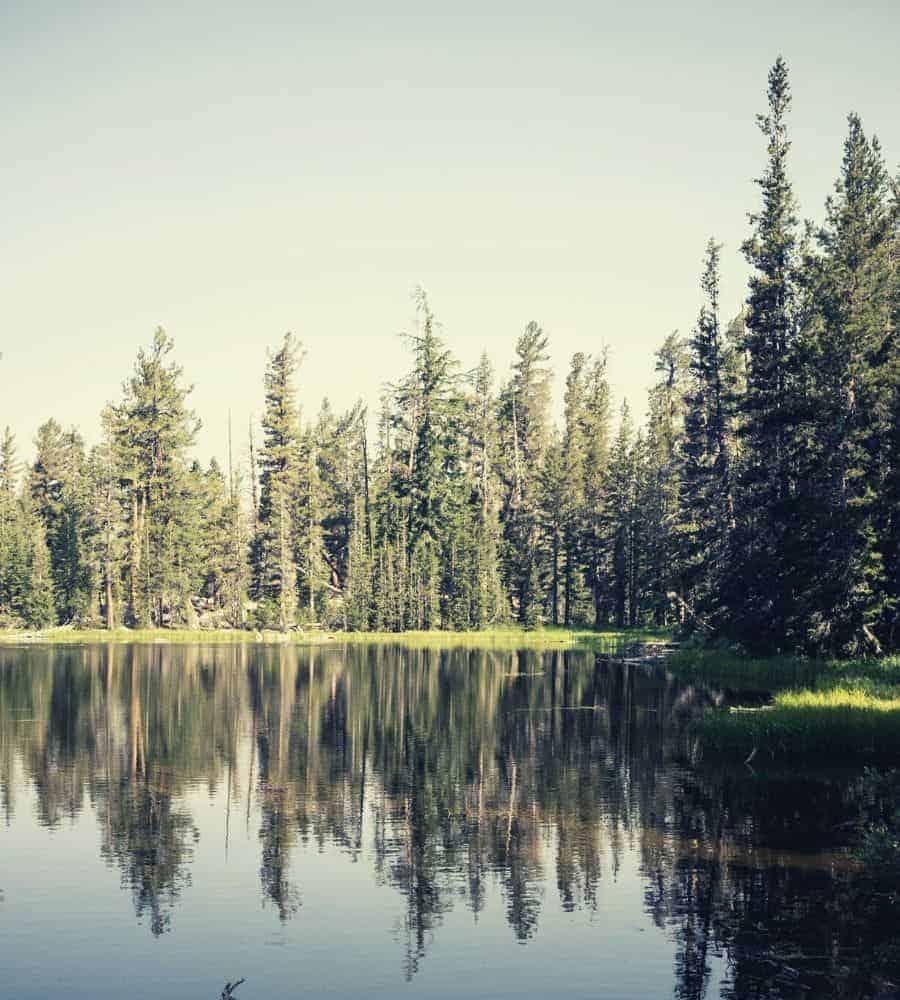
{"x": 759, "y": 502}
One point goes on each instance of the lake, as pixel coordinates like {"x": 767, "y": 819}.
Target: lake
{"x": 375, "y": 821}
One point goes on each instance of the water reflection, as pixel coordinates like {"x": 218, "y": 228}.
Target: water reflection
{"x": 452, "y": 773}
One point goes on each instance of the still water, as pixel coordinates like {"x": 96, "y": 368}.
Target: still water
{"x": 372, "y": 821}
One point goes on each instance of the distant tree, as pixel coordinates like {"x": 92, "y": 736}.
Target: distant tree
{"x": 660, "y": 502}
{"x": 597, "y": 435}
{"x": 525, "y": 433}
{"x": 273, "y": 553}
{"x": 153, "y": 429}
{"x": 58, "y": 485}
{"x": 706, "y": 499}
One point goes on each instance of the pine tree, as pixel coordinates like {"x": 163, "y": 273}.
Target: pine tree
{"x": 575, "y": 513}
{"x": 37, "y": 605}
{"x": 57, "y": 485}
{"x": 431, "y": 398}
{"x": 359, "y": 599}
{"x": 552, "y": 484}
{"x": 706, "y": 500}
{"x": 153, "y": 429}
{"x": 524, "y": 417}
{"x": 595, "y": 544}
{"x": 12, "y": 551}
{"x": 847, "y": 340}
{"x": 761, "y": 591}
{"x": 342, "y": 458}
{"x": 107, "y": 527}
{"x": 424, "y": 475}
{"x": 660, "y": 503}
{"x": 273, "y": 555}
{"x": 489, "y": 603}
{"x": 619, "y": 508}
{"x": 889, "y": 503}
{"x": 309, "y": 537}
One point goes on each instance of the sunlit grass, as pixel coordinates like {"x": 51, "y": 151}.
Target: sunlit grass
{"x": 509, "y": 637}
{"x": 844, "y": 709}
{"x": 840, "y": 699}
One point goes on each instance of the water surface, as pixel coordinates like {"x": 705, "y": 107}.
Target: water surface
{"x": 384, "y": 822}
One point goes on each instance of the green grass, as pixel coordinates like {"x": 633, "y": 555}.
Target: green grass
{"x": 510, "y": 637}
{"x": 827, "y": 709}
{"x": 507, "y": 637}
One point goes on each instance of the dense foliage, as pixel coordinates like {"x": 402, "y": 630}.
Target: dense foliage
{"x": 760, "y": 502}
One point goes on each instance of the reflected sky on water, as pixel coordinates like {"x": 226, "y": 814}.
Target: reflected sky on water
{"x": 378, "y": 821}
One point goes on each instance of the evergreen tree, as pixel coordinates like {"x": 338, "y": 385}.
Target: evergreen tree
{"x": 342, "y": 458}
{"x": 309, "y": 545}
{"x": 57, "y": 485}
{"x": 525, "y": 426}
{"x": 596, "y": 434}
{"x": 273, "y": 554}
{"x": 12, "y": 550}
{"x": 889, "y": 503}
{"x": 552, "y": 523}
{"x": 848, "y": 346}
{"x": 107, "y": 529}
{"x": 660, "y": 503}
{"x": 489, "y": 603}
{"x": 576, "y": 514}
{"x": 37, "y": 607}
{"x": 359, "y": 599}
{"x": 425, "y": 474}
{"x": 761, "y": 502}
{"x": 153, "y": 429}
{"x": 215, "y": 534}
{"x": 706, "y": 501}
{"x": 620, "y": 508}
{"x": 761, "y": 591}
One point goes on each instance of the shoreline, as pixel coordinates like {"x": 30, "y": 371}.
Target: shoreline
{"x": 510, "y": 637}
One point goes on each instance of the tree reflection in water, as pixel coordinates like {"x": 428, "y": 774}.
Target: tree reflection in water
{"x": 451, "y": 771}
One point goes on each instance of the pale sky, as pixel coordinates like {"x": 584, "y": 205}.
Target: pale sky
{"x": 231, "y": 172}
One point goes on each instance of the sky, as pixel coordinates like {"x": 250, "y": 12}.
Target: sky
{"x": 235, "y": 171}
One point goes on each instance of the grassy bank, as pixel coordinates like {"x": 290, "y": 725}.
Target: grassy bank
{"x": 508, "y": 637}
{"x": 820, "y": 708}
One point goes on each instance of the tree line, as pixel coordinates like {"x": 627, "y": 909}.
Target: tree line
{"x": 760, "y": 501}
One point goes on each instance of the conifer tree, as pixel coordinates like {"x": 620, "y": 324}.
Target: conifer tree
{"x": 596, "y": 436}
{"x": 524, "y": 417}
{"x": 552, "y": 481}
{"x": 57, "y": 486}
{"x": 761, "y": 590}
{"x": 620, "y": 507}
{"x": 12, "y": 555}
{"x": 153, "y": 429}
{"x": 489, "y": 603}
{"x": 273, "y": 556}
{"x": 342, "y": 458}
{"x": 575, "y": 513}
{"x": 848, "y": 342}
{"x": 309, "y": 543}
{"x": 359, "y": 601}
{"x": 107, "y": 528}
{"x": 706, "y": 500}
{"x": 889, "y": 505}
{"x": 37, "y": 605}
{"x": 424, "y": 476}
{"x": 660, "y": 502}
